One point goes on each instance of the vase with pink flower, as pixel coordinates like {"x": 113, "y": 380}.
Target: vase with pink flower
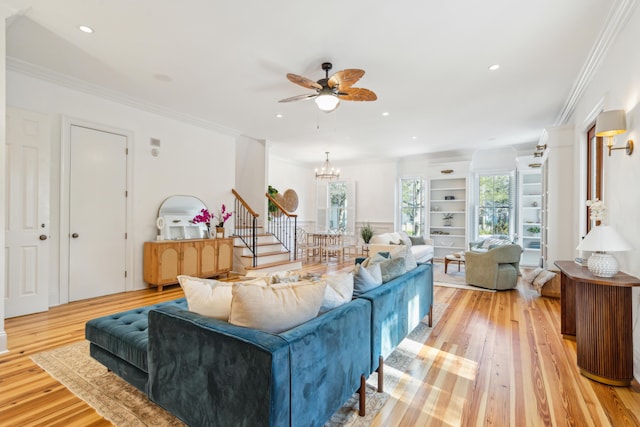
{"x": 221, "y": 218}
{"x": 204, "y": 217}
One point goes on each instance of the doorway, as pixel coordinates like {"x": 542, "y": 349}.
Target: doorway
{"x": 94, "y": 248}
{"x": 27, "y": 229}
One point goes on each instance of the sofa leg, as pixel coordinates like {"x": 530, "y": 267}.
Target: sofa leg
{"x": 380, "y": 372}
{"x": 363, "y": 396}
{"x": 431, "y": 315}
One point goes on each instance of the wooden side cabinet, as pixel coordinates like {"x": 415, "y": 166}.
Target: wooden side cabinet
{"x": 597, "y": 311}
{"x": 164, "y": 261}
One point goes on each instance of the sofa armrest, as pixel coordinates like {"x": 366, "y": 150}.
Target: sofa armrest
{"x": 329, "y": 355}
{"x": 209, "y": 372}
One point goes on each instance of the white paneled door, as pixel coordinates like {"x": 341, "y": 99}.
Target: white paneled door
{"x": 27, "y": 221}
{"x": 97, "y": 213}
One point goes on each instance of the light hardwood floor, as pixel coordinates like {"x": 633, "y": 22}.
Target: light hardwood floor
{"x": 493, "y": 359}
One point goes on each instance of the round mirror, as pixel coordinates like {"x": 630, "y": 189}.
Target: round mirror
{"x": 175, "y": 217}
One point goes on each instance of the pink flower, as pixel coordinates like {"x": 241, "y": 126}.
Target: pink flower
{"x": 223, "y": 216}
{"x": 204, "y": 217}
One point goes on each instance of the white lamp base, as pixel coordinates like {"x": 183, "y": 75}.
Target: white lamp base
{"x": 603, "y": 265}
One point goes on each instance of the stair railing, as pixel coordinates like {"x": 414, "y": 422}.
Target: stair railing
{"x": 246, "y": 225}
{"x": 283, "y": 226}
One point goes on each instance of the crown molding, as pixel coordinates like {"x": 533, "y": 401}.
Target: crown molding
{"x": 60, "y": 79}
{"x": 615, "y": 22}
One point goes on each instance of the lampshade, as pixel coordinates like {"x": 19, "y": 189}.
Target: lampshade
{"x": 611, "y": 123}
{"x": 327, "y": 102}
{"x": 603, "y": 238}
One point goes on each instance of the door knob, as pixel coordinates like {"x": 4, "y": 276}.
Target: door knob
{"x": 74, "y": 235}
{"x": 43, "y": 237}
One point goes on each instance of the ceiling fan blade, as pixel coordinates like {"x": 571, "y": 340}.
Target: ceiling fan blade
{"x": 303, "y": 81}
{"x": 345, "y": 78}
{"x": 299, "y": 97}
{"x": 357, "y": 94}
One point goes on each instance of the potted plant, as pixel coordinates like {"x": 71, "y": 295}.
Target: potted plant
{"x": 534, "y": 229}
{"x": 366, "y": 232}
{"x": 446, "y": 219}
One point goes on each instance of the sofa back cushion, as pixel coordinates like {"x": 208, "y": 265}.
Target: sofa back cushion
{"x": 276, "y": 308}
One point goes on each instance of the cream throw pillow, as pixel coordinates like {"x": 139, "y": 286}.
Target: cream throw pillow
{"x": 207, "y": 297}
{"x": 276, "y": 308}
{"x": 339, "y": 290}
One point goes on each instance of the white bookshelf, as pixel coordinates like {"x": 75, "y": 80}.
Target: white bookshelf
{"x": 530, "y": 216}
{"x": 448, "y": 196}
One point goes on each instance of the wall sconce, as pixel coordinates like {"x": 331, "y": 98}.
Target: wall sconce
{"x": 612, "y": 123}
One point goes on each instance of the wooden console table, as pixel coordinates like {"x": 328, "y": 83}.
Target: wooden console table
{"x": 597, "y": 312}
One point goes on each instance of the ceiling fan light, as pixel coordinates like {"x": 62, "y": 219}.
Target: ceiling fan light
{"x": 327, "y": 102}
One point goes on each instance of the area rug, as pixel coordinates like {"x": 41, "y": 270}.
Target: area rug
{"x": 125, "y": 406}
{"x": 453, "y": 278}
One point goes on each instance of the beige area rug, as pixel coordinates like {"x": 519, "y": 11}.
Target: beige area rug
{"x": 124, "y": 405}
{"x": 453, "y": 278}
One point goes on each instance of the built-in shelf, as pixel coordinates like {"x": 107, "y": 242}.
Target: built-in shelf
{"x": 448, "y": 196}
{"x": 530, "y": 215}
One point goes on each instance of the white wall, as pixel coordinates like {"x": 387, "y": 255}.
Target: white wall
{"x": 284, "y": 174}
{"x": 561, "y": 238}
{"x": 251, "y": 173}
{"x": 617, "y": 85}
{"x": 192, "y": 160}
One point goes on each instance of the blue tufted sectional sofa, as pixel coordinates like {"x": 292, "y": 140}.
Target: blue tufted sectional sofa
{"x": 208, "y": 372}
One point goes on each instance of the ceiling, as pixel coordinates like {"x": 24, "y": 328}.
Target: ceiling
{"x": 222, "y": 64}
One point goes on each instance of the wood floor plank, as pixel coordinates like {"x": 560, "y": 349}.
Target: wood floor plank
{"x": 492, "y": 359}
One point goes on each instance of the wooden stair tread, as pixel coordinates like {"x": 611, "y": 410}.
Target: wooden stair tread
{"x": 271, "y": 264}
{"x": 259, "y": 244}
{"x": 266, "y": 254}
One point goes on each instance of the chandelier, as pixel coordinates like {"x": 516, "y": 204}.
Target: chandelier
{"x": 327, "y": 172}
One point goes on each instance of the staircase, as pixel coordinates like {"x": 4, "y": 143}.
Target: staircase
{"x": 257, "y": 250}
{"x": 271, "y": 255}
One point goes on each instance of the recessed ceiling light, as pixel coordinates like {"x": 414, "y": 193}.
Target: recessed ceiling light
{"x": 85, "y": 29}
{"x": 162, "y": 77}
{"x": 386, "y": 113}
{"x": 279, "y": 115}
{"x": 414, "y": 137}
{"x": 494, "y": 67}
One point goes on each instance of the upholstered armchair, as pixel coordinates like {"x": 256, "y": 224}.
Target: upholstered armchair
{"x": 497, "y": 268}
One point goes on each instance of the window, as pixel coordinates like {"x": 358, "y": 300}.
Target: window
{"x": 337, "y": 206}
{"x": 496, "y": 195}
{"x": 412, "y": 206}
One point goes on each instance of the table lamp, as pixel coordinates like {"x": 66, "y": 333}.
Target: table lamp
{"x": 600, "y": 240}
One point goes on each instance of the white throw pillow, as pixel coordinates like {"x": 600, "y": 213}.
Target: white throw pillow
{"x": 404, "y": 238}
{"x": 403, "y": 251}
{"x": 207, "y": 297}
{"x": 394, "y": 238}
{"x": 276, "y": 308}
{"x": 339, "y": 290}
{"x": 531, "y": 276}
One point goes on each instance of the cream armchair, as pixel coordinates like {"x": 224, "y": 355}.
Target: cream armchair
{"x": 497, "y": 268}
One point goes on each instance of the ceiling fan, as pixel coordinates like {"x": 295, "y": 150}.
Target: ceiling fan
{"x": 330, "y": 90}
